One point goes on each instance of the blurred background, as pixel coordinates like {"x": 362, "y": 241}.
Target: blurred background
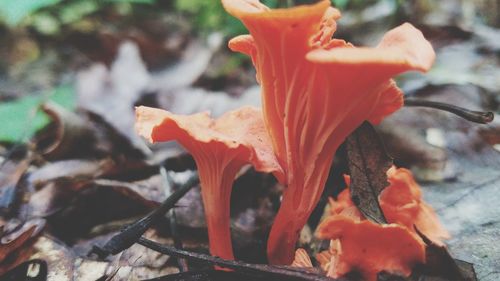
{"x": 48, "y": 48}
{"x": 71, "y": 72}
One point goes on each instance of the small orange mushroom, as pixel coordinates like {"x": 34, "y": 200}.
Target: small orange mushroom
{"x": 344, "y": 205}
{"x": 315, "y": 92}
{"x": 358, "y": 244}
{"x": 220, "y": 148}
{"x": 369, "y": 248}
{"x": 402, "y": 203}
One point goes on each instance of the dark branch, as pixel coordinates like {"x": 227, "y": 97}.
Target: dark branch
{"x": 470, "y": 115}
{"x": 267, "y": 272}
{"x": 131, "y": 233}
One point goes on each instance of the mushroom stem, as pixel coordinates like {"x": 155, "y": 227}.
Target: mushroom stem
{"x": 217, "y": 181}
{"x": 299, "y": 200}
{"x": 284, "y": 235}
{"x": 219, "y": 234}
{"x": 216, "y": 196}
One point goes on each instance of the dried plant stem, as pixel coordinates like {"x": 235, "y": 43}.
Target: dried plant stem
{"x": 268, "y": 272}
{"x": 470, "y": 115}
{"x": 131, "y": 233}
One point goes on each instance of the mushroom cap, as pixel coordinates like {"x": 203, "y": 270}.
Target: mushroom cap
{"x": 254, "y": 10}
{"x": 358, "y": 244}
{"x": 401, "y": 49}
{"x": 240, "y": 132}
{"x": 403, "y": 204}
{"x": 371, "y": 248}
{"x": 343, "y": 205}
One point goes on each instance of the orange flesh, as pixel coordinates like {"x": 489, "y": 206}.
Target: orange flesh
{"x": 360, "y": 245}
{"x": 220, "y": 148}
{"x": 402, "y": 203}
{"x": 315, "y": 92}
{"x": 370, "y": 248}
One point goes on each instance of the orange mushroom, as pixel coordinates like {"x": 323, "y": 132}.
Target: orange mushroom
{"x": 369, "y": 248}
{"x": 402, "y": 203}
{"x": 344, "y": 205}
{"x": 360, "y": 245}
{"x": 315, "y": 92}
{"x": 220, "y": 148}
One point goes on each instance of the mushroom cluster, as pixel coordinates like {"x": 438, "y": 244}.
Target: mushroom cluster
{"x": 315, "y": 91}
{"x": 369, "y": 248}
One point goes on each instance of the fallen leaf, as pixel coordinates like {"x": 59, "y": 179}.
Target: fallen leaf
{"x": 12, "y": 241}
{"x": 93, "y": 205}
{"x": 53, "y": 197}
{"x": 72, "y": 170}
{"x": 368, "y": 164}
{"x": 111, "y": 142}
{"x": 67, "y": 132}
{"x": 24, "y": 117}
{"x": 440, "y": 263}
{"x": 14, "y": 245}
{"x": 151, "y": 189}
{"x": 99, "y": 89}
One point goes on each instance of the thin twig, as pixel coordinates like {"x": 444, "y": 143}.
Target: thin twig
{"x": 269, "y": 272}
{"x": 482, "y": 117}
{"x": 131, "y": 233}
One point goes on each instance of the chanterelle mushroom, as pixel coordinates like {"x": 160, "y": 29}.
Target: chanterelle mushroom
{"x": 368, "y": 248}
{"x": 315, "y": 92}
{"x": 220, "y": 148}
{"x": 402, "y": 203}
